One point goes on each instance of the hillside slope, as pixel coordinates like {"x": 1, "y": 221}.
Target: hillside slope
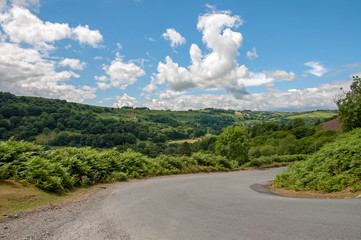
{"x": 335, "y": 167}
{"x": 57, "y": 122}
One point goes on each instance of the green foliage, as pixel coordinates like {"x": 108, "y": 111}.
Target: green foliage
{"x": 205, "y": 159}
{"x": 298, "y": 140}
{"x": 207, "y": 144}
{"x": 264, "y": 128}
{"x": 297, "y": 122}
{"x": 333, "y": 168}
{"x": 60, "y": 123}
{"x": 350, "y": 106}
{"x": 269, "y": 160}
{"x": 233, "y": 143}
{"x": 56, "y": 170}
{"x": 185, "y": 149}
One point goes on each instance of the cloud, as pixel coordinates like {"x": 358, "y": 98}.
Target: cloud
{"x": 31, "y": 4}
{"x": 252, "y": 54}
{"x": 282, "y": 75}
{"x": 126, "y": 101}
{"x": 216, "y": 70}
{"x": 317, "y": 69}
{"x": 21, "y": 26}
{"x": 2, "y": 4}
{"x": 86, "y": 36}
{"x": 354, "y": 65}
{"x": 74, "y": 64}
{"x": 119, "y": 74}
{"x": 174, "y": 37}
{"x": 151, "y": 39}
{"x": 319, "y": 97}
{"x": 152, "y": 87}
{"x": 26, "y": 72}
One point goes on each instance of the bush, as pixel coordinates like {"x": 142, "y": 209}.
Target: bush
{"x": 333, "y": 168}
{"x": 268, "y": 160}
{"x": 57, "y": 170}
{"x": 233, "y": 143}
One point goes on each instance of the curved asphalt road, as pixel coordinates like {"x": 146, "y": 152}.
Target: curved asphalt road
{"x": 209, "y": 206}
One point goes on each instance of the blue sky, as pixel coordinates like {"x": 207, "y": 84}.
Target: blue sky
{"x": 258, "y": 55}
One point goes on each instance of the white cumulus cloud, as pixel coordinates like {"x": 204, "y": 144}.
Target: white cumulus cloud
{"x": 120, "y": 74}
{"x": 216, "y": 67}
{"x": 252, "y": 54}
{"x": 317, "y": 69}
{"x": 26, "y": 72}
{"x": 86, "y": 36}
{"x": 21, "y": 26}
{"x": 174, "y": 37}
{"x": 282, "y": 75}
{"x": 74, "y": 64}
{"x": 216, "y": 70}
{"x": 319, "y": 97}
{"x": 32, "y": 4}
{"x": 127, "y": 101}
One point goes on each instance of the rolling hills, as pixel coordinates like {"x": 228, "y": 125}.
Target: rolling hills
{"x": 59, "y": 123}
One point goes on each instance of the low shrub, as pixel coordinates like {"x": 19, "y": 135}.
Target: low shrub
{"x": 335, "y": 167}
{"x": 269, "y": 160}
{"x": 59, "y": 169}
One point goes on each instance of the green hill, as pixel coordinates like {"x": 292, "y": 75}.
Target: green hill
{"x": 60, "y": 123}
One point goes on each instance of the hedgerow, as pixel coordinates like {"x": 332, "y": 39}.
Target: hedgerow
{"x": 57, "y": 170}
{"x": 335, "y": 167}
{"x": 268, "y": 160}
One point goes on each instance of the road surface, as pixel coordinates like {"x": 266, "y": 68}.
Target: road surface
{"x": 202, "y": 206}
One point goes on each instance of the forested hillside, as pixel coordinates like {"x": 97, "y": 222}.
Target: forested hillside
{"x": 59, "y": 123}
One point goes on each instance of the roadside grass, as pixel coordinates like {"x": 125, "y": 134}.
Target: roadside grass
{"x": 347, "y": 193}
{"x": 16, "y": 197}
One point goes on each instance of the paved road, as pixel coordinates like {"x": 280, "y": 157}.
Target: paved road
{"x": 208, "y": 206}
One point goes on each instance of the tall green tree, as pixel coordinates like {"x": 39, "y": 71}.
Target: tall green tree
{"x": 234, "y": 143}
{"x": 350, "y": 106}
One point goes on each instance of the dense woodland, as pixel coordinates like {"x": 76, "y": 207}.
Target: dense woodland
{"x": 59, "y": 123}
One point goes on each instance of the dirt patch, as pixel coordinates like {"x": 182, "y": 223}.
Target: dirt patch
{"x": 243, "y": 114}
{"x": 186, "y": 140}
{"x": 332, "y": 125}
{"x": 17, "y": 199}
{"x": 314, "y": 194}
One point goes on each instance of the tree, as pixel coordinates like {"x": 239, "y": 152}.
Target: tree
{"x": 234, "y": 143}
{"x": 185, "y": 149}
{"x": 297, "y": 122}
{"x": 349, "y": 108}
{"x": 264, "y": 128}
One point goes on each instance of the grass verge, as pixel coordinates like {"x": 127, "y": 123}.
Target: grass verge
{"x": 16, "y": 197}
{"x": 315, "y": 194}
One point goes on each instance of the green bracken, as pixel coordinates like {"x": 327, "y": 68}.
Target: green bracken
{"x": 57, "y": 170}
{"x": 335, "y": 167}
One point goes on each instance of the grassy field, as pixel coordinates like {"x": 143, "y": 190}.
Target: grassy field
{"x": 186, "y": 140}
{"x": 316, "y": 114}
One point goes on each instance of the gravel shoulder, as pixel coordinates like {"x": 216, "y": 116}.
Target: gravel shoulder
{"x": 79, "y": 217}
